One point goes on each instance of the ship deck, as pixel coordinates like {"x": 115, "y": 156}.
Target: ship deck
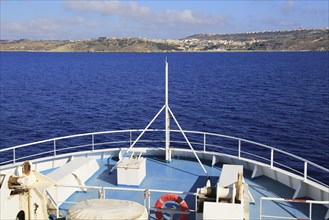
{"x": 186, "y": 175}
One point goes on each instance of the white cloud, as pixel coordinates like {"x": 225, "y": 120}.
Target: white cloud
{"x": 186, "y": 17}
{"x": 119, "y": 19}
{"x": 40, "y": 28}
{"x": 288, "y": 7}
{"x": 124, "y": 9}
{"x": 140, "y": 14}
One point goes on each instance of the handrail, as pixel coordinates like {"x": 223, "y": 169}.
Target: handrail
{"x": 147, "y": 195}
{"x": 128, "y": 189}
{"x": 310, "y": 202}
{"x": 204, "y": 137}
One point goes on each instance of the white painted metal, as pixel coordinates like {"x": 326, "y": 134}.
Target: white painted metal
{"x": 310, "y": 202}
{"x": 74, "y": 149}
{"x": 77, "y": 171}
{"x": 141, "y": 134}
{"x": 229, "y": 174}
{"x": 131, "y": 171}
{"x": 188, "y": 142}
{"x": 150, "y": 123}
{"x": 305, "y": 171}
{"x": 239, "y": 150}
{"x": 54, "y": 148}
{"x": 153, "y": 130}
{"x": 14, "y": 155}
{"x": 147, "y": 194}
{"x": 130, "y": 140}
{"x": 168, "y": 151}
{"x": 223, "y": 211}
{"x": 93, "y": 142}
{"x": 204, "y": 142}
{"x": 313, "y": 189}
{"x": 272, "y": 157}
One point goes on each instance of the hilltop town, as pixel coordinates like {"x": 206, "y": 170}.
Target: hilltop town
{"x": 289, "y": 40}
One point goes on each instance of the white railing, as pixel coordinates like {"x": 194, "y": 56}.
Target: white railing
{"x": 207, "y": 142}
{"x": 147, "y": 193}
{"x": 309, "y": 202}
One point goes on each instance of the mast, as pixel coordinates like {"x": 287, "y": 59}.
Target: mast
{"x": 167, "y": 130}
{"x": 168, "y": 151}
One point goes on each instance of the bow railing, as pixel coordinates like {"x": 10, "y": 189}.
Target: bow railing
{"x": 202, "y": 142}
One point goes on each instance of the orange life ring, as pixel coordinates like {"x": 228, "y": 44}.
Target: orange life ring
{"x": 170, "y": 197}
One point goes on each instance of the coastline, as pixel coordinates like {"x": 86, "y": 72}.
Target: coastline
{"x": 230, "y": 51}
{"x": 277, "y": 41}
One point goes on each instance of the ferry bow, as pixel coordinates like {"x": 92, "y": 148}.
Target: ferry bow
{"x": 157, "y": 174}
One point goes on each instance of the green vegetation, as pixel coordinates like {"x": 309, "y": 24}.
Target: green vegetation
{"x": 292, "y": 40}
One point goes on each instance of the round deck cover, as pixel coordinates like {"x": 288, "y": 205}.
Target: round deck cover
{"x": 107, "y": 209}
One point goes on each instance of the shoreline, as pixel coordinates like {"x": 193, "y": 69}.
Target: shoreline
{"x": 279, "y": 41}
{"x": 229, "y": 51}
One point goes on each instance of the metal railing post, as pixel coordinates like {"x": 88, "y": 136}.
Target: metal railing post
{"x": 286, "y": 200}
{"x": 239, "y": 151}
{"x": 147, "y": 200}
{"x": 149, "y": 203}
{"x": 14, "y": 155}
{"x": 305, "y": 170}
{"x": 204, "y": 142}
{"x": 104, "y": 193}
{"x": 54, "y": 148}
{"x": 92, "y": 142}
{"x": 130, "y": 139}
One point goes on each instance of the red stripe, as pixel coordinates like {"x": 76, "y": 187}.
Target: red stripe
{"x": 296, "y": 200}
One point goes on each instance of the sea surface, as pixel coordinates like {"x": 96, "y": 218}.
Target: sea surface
{"x": 279, "y": 99}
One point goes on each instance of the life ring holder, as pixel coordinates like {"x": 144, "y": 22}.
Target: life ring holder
{"x": 171, "y": 197}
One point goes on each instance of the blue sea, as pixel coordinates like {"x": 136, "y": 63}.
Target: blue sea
{"x": 279, "y": 99}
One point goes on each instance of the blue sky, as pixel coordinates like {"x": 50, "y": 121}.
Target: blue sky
{"x": 154, "y": 19}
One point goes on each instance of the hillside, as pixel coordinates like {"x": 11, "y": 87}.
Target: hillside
{"x": 292, "y": 40}
{"x": 313, "y": 40}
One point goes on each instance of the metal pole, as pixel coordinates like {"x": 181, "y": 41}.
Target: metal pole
{"x": 188, "y": 142}
{"x": 239, "y": 152}
{"x": 130, "y": 139}
{"x": 310, "y": 211}
{"x": 92, "y": 142}
{"x": 141, "y": 134}
{"x": 149, "y": 203}
{"x": 14, "y": 155}
{"x": 204, "y": 142}
{"x": 168, "y": 151}
{"x": 54, "y": 148}
{"x": 305, "y": 171}
{"x": 272, "y": 157}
